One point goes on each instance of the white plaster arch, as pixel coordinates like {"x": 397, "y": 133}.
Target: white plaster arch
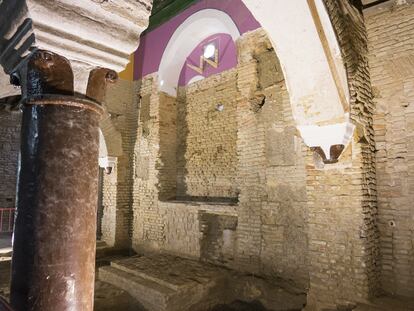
{"x": 185, "y": 39}
{"x": 103, "y": 149}
{"x": 110, "y": 144}
{"x": 104, "y": 160}
{"x": 318, "y": 111}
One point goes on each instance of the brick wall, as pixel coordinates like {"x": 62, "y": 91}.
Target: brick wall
{"x": 272, "y": 228}
{"x": 391, "y": 41}
{"x": 148, "y": 221}
{"x": 249, "y": 149}
{"x": 121, "y": 103}
{"x": 9, "y": 153}
{"x": 167, "y": 159}
{"x": 343, "y": 235}
{"x": 206, "y": 157}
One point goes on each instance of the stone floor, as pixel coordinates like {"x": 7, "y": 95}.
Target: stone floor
{"x": 241, "y": 306}
{"x": 174, "y": 276}
{"x": 111, "y": 298}
{"x": 4, "y": 277}
{"x": 5, "y": 245}
{"x": 107, "y": 297}
{"x": 388, "y": 304}
{"x": 170, "y": 283}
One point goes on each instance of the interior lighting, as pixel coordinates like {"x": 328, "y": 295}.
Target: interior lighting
{"x": 209, "y": 51}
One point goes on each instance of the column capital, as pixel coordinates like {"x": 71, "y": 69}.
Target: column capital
{"x": 89, "y": 33}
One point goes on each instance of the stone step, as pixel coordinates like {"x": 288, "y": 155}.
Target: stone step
{"x": 155, "y": 293}
{"x": 153, "y": 296}
{"x": 130, "y": 269}
{"x": 162, "y": 282}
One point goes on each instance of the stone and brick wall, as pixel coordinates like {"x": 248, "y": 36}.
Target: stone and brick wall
{"x": 121, "y": 103}
{"x": 343, "y": 235}
{"x": 206, "y": 157}
{"x": 261, "y": 201}
{"x": 9, "y": 153}
{"x": 247, "y": 151}
{"x": 295, "y": 217}
{"x": 391, "y": 42}
{"x": 272, "y": 238}
{"x": 167, "y": 160}
{"x": 148, "y": 222}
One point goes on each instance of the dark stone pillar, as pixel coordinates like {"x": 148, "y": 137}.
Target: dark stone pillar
{"x": 53, "y": 265}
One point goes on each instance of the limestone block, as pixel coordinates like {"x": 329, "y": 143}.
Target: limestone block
{"x": 269, "y": 70}
{"x": 281, "y": 146}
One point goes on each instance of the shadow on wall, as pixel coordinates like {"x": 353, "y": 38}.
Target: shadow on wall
{"x": 219, "y": 237}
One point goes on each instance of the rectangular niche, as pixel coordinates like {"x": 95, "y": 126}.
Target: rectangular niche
{"x": 218, "y": 239}
{"x": 198, "y": 142}
{"x": 207, "y": 141}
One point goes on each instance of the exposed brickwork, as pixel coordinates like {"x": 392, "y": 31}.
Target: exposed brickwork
{"x": 275, "y": 209}
{"x": 9, "y": 153}
{"x": 148, "y": 222}
{"x": 109, "y": 199}
{"x": 261, "y": 161}
{"x": 117, "y": 198}
{"x": 218, "y": 242}
{"x": 206, "y": 156}
{"x": 251, "y": 153}
{"x": 391, "y": 41}
{"x": 272, "y": 208}
{"x": 167, "y": 162}
{"x": 343, "y": 235}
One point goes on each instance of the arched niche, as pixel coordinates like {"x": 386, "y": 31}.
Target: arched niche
{"x": 317, "y": 85}
{"x": 186, "y": 38}
{"x": 110, "y": 144}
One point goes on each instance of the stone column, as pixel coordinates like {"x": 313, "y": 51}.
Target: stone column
{"x": 53, "y": 265}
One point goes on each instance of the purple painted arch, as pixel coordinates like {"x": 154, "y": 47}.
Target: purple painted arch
{"x": 153, "y": 44}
